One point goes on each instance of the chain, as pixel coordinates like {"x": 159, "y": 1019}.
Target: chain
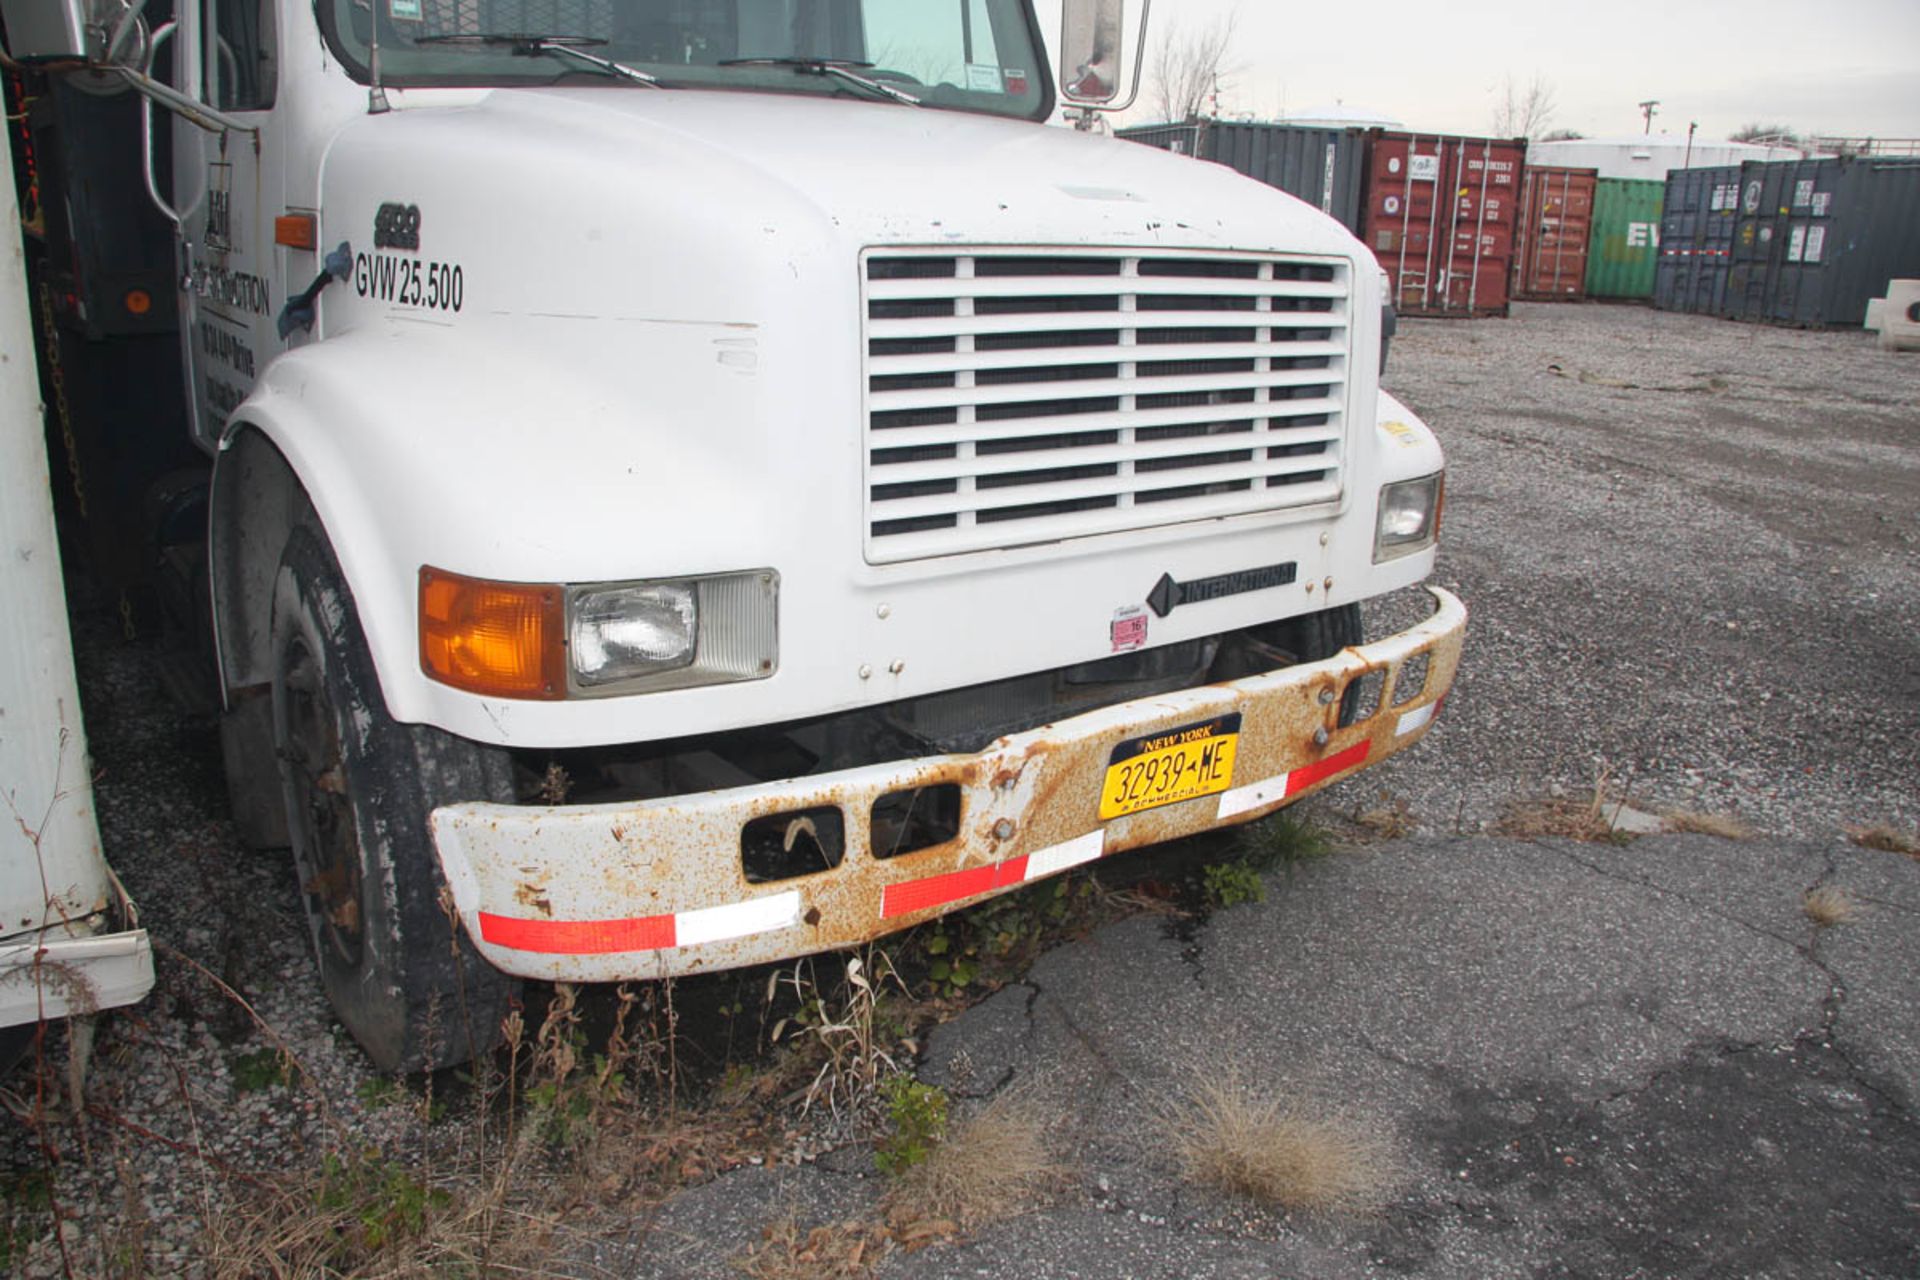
{"x": 127, "y": 628}
{"x": 57, "y": 375}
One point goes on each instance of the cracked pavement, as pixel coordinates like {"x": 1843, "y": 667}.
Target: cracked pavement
{"x": 1638, "y": 1060}
{"x": 1689, "y": 548}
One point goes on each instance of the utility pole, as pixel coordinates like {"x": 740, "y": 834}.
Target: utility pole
{"x": 1688, "y": 162}
{"x": 1647, "y": 109}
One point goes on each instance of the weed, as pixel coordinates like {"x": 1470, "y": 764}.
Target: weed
{"x": 918, "y": 1114}
{"x": 379, "y": 1093}
{"x": 1235, "y": 1138}
{"x": 1886, "y": 838}
{"x": 26, "y": 1199}
{"x": 992, "y": 1165}
{"x": 1827, "y": 906}
{"x": 849, "y": 1028}
{"x": 261, "y": 1070}
{"x": 378, "y": 1201}
{"x": 1690, "y": 822}
{"x": 1283, "y": 840}
{"x": 1590, "y": 820}
{"x": 1391, "y": 819}
{"x": 1228, "y": 884}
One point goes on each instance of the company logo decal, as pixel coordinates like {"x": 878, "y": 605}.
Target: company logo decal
{"x": 1168, "y": 595}
{"x": 397, "y": 226}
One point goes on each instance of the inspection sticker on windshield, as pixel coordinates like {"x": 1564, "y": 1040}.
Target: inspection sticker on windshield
{"x": 1170, "y": 766}
{"x": 985, "y": 78}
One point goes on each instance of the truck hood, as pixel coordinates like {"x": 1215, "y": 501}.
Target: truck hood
{"x": 874, "y": 172}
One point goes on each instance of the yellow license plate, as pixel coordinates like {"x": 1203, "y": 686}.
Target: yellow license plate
{"x": 1170, "y": 766}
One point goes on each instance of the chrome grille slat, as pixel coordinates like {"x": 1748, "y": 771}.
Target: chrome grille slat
{"x": 1141, "y": 419}
{"x": 1018, "y": 396}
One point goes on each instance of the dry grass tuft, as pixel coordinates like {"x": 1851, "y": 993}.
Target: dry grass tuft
{"x": 1561, "y": 817}
{"x": 842, "y": 1251}
{"x": 1828, "y": 906}
{"x": 1691, "y": 822}
{"x": 1284, "y": 1153}
{"x": 1886, "y": 838}
{"x": 1388, "y": 820}
{"x": 995, "y": 1165}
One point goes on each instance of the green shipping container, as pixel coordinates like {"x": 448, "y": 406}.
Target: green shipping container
{"x": 1625, "y": 246}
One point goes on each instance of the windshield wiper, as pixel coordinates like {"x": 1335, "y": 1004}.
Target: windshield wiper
{"x": 525, "y": 45}
{"x": 838, "y": 68}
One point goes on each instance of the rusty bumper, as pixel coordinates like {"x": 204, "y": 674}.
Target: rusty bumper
{"x": 602, "y": 893}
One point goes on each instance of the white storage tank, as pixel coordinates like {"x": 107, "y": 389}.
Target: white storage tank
{"x": 1650, "y": 155}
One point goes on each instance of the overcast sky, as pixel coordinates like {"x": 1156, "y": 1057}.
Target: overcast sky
{"x": 1842, "y": 67}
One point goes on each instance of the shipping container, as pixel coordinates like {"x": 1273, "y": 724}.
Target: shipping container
{"x": 1814, "y": 240}
{"x": 1651, "y": 157}
{"x": 1439, "y": 215}
{"x": 1555, "y": 224}
{"x": 1697, "y": 219}
{"x": 1324, "y": 167}
{"x": 1625, "y": 248}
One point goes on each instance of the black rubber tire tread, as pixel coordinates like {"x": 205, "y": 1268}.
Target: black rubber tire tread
{"x": 1320, "y": 635}
{"x": 418, "y": 996}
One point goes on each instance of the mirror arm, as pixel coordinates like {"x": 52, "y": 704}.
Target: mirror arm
{"x": 209, "y": 118}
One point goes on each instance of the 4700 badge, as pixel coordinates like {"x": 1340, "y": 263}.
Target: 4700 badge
{"x": 1170, "y": 766}
{"x": 406, "y": 282}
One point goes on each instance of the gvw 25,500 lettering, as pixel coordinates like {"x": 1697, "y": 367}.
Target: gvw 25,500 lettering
{"x": 386, "y": 277}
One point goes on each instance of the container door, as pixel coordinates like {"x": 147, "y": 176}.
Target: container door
{"x": 227, "y": 58}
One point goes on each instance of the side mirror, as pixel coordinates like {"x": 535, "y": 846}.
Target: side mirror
{"x": 1091, "y": 57}
{"x": 93, "y": 31}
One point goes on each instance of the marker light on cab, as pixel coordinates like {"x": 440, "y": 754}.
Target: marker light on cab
{"x": 547, "y": 640}
{"x": 1409, "y": 517}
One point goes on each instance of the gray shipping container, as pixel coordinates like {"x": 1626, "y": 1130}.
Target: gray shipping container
{"x": 1696, "y": 239}
{"x": 1324, "y": 167}
{"x": 1815, "y": 239}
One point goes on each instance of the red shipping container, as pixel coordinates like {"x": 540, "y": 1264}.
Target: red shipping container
{"x": 1439, "y": 215}
{"x": 1556, "y": 225}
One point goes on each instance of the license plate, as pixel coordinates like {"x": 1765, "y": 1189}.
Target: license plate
{"x": 1170, "y": 766}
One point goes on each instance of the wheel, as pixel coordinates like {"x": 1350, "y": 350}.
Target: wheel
{"x": 359, "y": 788}
{"x": 1307, "y": 638}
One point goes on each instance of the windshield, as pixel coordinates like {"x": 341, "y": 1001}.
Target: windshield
{"x": 975, "y": 55}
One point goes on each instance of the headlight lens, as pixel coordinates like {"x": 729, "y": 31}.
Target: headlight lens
{"x": 617, "y": 633}
{"x": 628, "y": 637}
{"x": 1409, "y": 517}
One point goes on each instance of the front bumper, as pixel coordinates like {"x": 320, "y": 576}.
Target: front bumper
{"x": 651, "y": 889}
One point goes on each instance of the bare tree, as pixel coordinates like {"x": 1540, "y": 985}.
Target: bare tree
{"x": 1562, "y": 135}
{"x": 1191, "y": 68}
{"x": 1754, "y": 131}
{"x": 1523, "y": 110}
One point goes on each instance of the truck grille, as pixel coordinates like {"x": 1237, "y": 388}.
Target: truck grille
{"x": 1016, "y": 397}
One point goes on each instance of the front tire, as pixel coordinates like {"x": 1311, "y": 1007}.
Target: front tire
{"x": 359, "y": 789}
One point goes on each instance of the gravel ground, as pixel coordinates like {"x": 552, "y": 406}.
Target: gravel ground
{"x": 1689, "y": 552}
{"x": 1688, "y": 548}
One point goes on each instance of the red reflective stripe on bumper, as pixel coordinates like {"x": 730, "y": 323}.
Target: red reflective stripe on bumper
{"x": 578, "y": 937}
{"x": 909, "y": 896}
{"x": 1319, "y": 771}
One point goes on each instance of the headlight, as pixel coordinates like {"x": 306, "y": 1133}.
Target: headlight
{"x": 629, "y": 636}
{"x": 617, "y": 633}
{"x": 535, "y": 640}
{"x": 1409, "y": 517}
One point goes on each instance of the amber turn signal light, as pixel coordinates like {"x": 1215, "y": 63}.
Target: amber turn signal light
{"x": 504, "y": 639}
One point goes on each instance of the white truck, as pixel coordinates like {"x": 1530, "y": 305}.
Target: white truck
{"x": 700, "y": 482}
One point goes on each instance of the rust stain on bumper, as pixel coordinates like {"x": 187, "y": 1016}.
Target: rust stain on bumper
{"x": 666, "y": 875}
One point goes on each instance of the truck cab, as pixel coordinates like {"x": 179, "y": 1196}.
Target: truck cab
{"x": 701, "y": 482}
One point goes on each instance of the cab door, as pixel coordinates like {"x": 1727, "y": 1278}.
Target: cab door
{"x": 229, "y": 187}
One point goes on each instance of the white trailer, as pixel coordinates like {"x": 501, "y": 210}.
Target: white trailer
{"x": 700, "y": 483}
{"x": 69, "y": 943}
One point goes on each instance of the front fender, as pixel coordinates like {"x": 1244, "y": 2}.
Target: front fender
{"x": 479, "y": 454}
